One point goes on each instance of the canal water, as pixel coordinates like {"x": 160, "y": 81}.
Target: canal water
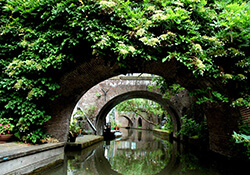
{"x": 139, "y": 152}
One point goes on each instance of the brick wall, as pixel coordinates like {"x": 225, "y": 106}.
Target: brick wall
{"x": 245, "y": 113}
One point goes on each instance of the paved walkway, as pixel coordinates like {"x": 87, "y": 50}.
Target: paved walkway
{"x": 6, "y": 147}
{"x": 14, "y": 150}
{"x": 83, "y": 142}
{"x": 28, "y": 158}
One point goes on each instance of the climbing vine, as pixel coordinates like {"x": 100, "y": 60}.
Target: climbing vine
{"x": 41, "y": 37}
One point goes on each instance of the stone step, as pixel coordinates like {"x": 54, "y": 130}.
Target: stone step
{"x": 83, "y": 142}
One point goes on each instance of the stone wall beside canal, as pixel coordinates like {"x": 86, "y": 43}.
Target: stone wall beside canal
{"x": 18, "y": 159}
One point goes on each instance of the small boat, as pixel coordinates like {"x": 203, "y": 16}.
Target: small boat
{"x": 118, "y": 134}
{"x": 108, "y": 134}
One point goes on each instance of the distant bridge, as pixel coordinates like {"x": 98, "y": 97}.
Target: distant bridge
{"x": 107, "y": 94}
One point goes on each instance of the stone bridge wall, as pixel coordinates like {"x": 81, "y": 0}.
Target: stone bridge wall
{"x": 120, "y": 87}
{"x": 132, "y": 120}
{"x": 113, "y": 87}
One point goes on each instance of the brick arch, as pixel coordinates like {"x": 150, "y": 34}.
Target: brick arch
{"x": 76, "y": 78}
{"x": 175, "y": 114}
{"x": 121, "y": 88}
{"x": 130, "y": 122}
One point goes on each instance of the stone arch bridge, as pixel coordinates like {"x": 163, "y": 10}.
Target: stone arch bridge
{"x": 107, "y": 94}
{"x": 131, "y": 120}
{"x": 76, "y": 78}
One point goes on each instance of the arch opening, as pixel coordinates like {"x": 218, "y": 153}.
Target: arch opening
{"x": 138, "y": 113}
{"x": 166, "y": 104}
{"x": 106, "y": 95}
{"x": 139, "y": 123}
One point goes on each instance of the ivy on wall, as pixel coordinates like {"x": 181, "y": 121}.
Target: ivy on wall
{"x": 38, "y": 37}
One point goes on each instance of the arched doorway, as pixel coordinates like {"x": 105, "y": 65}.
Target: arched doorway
{"x": 139, "y": 122}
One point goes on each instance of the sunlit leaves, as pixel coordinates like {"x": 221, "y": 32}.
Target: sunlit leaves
{"x": 38, "y": 37}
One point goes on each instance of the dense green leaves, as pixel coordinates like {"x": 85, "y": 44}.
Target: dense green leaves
{"x": 38, "y": 37}
{"x": 245, "y": 139}
{"x": 190, "y": 127}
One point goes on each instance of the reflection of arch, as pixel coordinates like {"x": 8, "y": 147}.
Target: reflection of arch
{"x": 96, "y": 156}
{"x": 139, "y": 136}
{"x": 101, "y": 162}
{"x": 130, "y": 123}
{"x": 174, "y": 162}
{"x": 174, "y": 114}
{"x": 102, "y": 165}
{"x": 139, "y": 122}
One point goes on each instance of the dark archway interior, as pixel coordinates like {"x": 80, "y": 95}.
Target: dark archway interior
{"x": 139, "y": 122}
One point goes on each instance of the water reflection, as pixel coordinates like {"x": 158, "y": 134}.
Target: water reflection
{"x": 139, "y": 152}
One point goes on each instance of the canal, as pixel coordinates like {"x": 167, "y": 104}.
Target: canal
{"x": 139, "y": 152}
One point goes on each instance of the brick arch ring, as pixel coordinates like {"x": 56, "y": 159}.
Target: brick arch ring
{"x": 130, "y": 122}
{"x": 157, "y": 97}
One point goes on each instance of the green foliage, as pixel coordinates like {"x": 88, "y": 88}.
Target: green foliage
{"x": 150, "y": 163}
{"x": 168, "y": 88}
{"x": 243, "y": 136}
{"x": 87, "y": 111}
{"x": 208, "y": 95}
{"x": 80, "y": 114}
{"x": 98, "y": 95}
{"x": 34, "y": 136}
{"x": 112, "y": 122}
{"x": 39, "y": 37}
{"x": 141, "y": 105}
{"x": 168, "y": 126}
{"x": 245, "y": 128}
{"x": 189, "y": 162}
{"x": 6, "y": 127}
{"x": 190, "y": 127}
{"x": 245, "y": 139}
{"x": 74, "y": 128}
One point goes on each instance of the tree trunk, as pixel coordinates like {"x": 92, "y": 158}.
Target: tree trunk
{"x": 150, "y": 122}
